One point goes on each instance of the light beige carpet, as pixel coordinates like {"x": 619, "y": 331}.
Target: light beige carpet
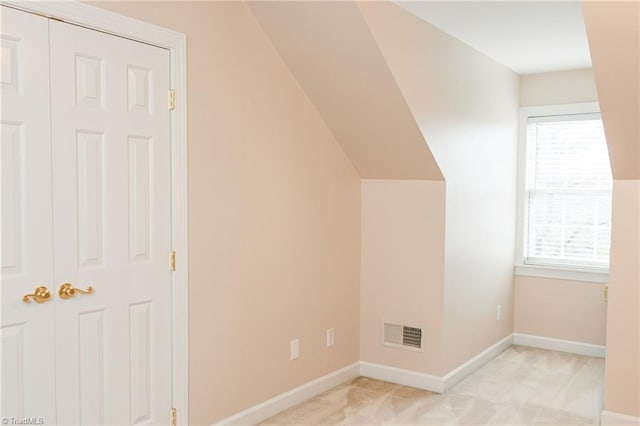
{"x": 522, "y": 386}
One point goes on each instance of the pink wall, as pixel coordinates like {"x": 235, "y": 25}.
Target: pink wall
{"x": 469, "y": 120}
{"x": 402, "y": 269}
{"x": 612, "y": 29}
{"x": 373, "y": 107}
{"x": 274, "y": 216}
{"x": 622, "y": 368}
{"x": 561, "y": 309}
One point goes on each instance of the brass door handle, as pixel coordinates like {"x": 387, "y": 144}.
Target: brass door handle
{"x": 67, "y": 291}
{"x": 40, "y": 295}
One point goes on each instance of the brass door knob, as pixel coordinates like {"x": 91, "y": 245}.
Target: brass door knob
{"x": 67, "y": 291}
{"x": 40, "y": 295}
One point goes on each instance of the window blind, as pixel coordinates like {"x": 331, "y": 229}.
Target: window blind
{"x": 568, "y": 190}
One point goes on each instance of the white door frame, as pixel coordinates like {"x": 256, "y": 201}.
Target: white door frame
{"x": 99, "y": 19}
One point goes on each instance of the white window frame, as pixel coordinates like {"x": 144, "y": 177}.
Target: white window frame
{"x": 596, "y": 275}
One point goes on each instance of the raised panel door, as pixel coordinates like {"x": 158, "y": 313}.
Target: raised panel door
{"x": 27, "y": 351}
{"x": 111, "y": 210}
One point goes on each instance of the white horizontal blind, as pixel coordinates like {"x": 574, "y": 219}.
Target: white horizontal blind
{"x": 569, "y": 185}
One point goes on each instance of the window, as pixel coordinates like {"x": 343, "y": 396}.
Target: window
{"x": 567, "y": 191}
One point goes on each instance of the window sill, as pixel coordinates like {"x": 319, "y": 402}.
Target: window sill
{"x": 562, "y": 273}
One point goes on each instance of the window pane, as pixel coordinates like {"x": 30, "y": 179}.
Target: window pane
{"x": 547, "y": 241}
{"x": 569, "y": 183}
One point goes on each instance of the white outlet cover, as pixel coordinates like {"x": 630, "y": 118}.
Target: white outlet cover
{"x": 330, "y": 337}
{"x": 499, "y": 313}
{"x": 295, "y": 349}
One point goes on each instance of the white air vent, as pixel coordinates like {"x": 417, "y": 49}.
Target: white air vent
{"x": 402, "y": 336}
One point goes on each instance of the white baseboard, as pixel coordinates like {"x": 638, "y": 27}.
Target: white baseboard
{"x": 273, "y": 406}
{"x": 578, "y": 348}
{"x": 402, "y": 376}
{"x": 438, "y": 384}
{"x": 463, "y": 371}
{"x": 609, "y": 418}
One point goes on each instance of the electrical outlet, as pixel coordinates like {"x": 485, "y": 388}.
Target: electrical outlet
{"x": 330, "y": 337}
{"x": 295, "y": 349}
{"x": 499, "y": 313}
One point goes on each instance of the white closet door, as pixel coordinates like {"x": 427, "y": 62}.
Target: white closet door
{"x": 111, "y": 171}
{"x": 26, "y": 329}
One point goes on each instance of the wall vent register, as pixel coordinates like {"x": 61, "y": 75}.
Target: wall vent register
{"x": 402, "y": 336}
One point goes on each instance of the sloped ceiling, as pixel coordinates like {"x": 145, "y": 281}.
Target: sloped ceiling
{"x": 464, "y": 102}
{"x": 329, "y": 49}
{"x": 613, "y": 29}
{"x": 526, "y": 36}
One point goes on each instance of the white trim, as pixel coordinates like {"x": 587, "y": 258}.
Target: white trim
{"x": 610, "y": 418}
{"x": 545, "y": 271}
{"x": 561, "y": 273}
{"x": 573, "y": 116}
{"x": 179, "y": 229}
{"x": 438, "y": 384}
{"x": 402, "y": 376}
{"x": 570, "y": 346}
{"x": 112, "y": 23}
{"x": 275, "y": 405}
{"x": 96, "y": 18}
{"x": 463, "y": 371}
{"x": 561, "y": 109}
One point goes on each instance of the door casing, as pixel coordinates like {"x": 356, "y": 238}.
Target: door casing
{"x": 95, "y": 18}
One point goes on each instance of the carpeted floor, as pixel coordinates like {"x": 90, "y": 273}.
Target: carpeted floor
{"x": 522, "y": 386}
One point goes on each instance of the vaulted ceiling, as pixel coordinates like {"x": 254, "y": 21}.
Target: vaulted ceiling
{"x": 382, "y": 122}
{"x": 526, "y": 36}
{"x": 614, "y": 39}
{"x": 331, "y": 52}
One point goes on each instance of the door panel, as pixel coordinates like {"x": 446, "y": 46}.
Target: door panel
{"x": 26, "y": 329}
{"x": 111, "y": 209}
{"x": 90, "y": 369}
{"x": 91, "y": 176}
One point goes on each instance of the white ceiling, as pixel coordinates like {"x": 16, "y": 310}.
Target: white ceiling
{"x": 526, "y": 36}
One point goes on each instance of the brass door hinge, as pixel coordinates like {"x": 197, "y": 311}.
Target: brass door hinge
{"x": 172, "y": 99}
{"x": 172, "y": 261}
{"x": 606, "y": 293}
{"x": 174, "y": 417}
